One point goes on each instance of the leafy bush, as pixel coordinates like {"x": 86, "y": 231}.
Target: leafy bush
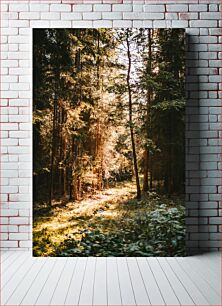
{"x": 159, "y": 232}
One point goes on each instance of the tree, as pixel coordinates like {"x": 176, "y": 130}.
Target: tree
{"x": 128, "y": 34}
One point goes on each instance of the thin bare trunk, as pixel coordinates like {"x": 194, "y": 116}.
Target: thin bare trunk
{"x": 52, "y": 151}
{"x": 131, "y": 119}
{"x": 146, "y": 150}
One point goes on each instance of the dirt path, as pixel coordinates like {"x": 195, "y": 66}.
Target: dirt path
{"x": 106, "y": 195}
{"x": 72, "y": 213}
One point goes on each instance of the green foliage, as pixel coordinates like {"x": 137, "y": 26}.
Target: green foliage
{"x": 108, "y": 106}
{"x": 155, "y": 229}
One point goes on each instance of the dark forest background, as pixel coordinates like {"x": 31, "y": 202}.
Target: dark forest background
{"x": 108, "y": 115}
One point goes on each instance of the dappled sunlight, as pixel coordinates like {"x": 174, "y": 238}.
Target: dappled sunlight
{"x": 102, "y": 210}
{"x": 108, "y": 131}
{"x": 77, "y": 228}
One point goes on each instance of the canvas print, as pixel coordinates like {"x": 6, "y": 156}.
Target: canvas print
{"x": 108, "y": 142}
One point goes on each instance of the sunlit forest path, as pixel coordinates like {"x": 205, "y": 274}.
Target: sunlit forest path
{"x": 108, "y": 131}
{"x": 101, "y": 210}
{"x": 116, "y": 194}
{"x": 109, "y": 223}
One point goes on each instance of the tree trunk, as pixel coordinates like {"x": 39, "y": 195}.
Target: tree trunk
{"x": 53, "y": 151}
{"x": 146, "y": 170}
{"x": 146, "y": 151}
{"x": 64, "y": 170}
{"x": 131, "y": 119}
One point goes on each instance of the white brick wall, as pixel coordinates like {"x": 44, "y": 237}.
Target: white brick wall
{"x": 201, "y": 19}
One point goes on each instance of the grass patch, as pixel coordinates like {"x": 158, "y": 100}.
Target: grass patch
{"x": 113, "y": 225}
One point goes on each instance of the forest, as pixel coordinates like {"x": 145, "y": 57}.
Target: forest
{"x": 108, "y": 142}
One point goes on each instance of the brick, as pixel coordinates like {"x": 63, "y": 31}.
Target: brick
{"x": 19, "y": 102}
{"x": 19, "y": 71}
{"x": 171, "y": 16}
{"x": 60, "y": 24}
{"x": 210, "y": 244}
{"x": 139, "y": 23}
{"x": 112, "y": 15}
{"x": 203, "y": 23}
{"x": 51, "y": 16}
{"x": 25, "y": 244}
{"x": 24, "y": 126}
{"x": 24, "y": 229}
{"x": 18, "y": 150}
{"x": 18, "y": 220}
{"x": 9, "y": 126}
{"x": 122, "y": 23}
{"x": 215, "y": 63}
{"x": 200, "y": 236}
{"x": 18, "y": 23}
{"x": 9, "y": 166}
{"x": 24, "y": 213}
{"x": 208, "y": 212}
{"x": 177, "y": 8}
{"x": 9, "y": 212}
{"x": 121, "y": 7}
{"x": 82, "y": 24}
{"x": 208, "y": 16}
{"x": 209, "y": 205}
{"x": 213, "y": 7}
{"x": 18, "y": 236}
{"x": 197, "y": 7}
{"x": 29, "y": 15}
{"x": 180, "y": 23}
{"x": 92, "y": 15}
{"x": 39, "y": 24}
{"x": 9, "y": 244}
{"x": 18, "y": 7}
{"x": 209, "y": 228}
{"x": 35, "y": 7}
{"x": 102, "y": 7}
{"x": 162, "y": 24}
{"x": 208, "y": 39}
{"x": 102, "y": 24}
{"x": 82, "y": 8}
{"x": 60, "y": 8}
{"x": 135, "y": 15}
{"x": 215, "y": 31}
{"x": 71, "y": 16}
{"x": 215, "y": 236}
{"x": 154, "y": 8}
{"x": 18, "y": 118}
{"x": 147, "y": 23}
{"x": 9, "y": 173}
{"x": 188, "y": 16}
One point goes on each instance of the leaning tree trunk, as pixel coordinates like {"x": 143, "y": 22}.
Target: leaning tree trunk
{"x": 131, "y": 119}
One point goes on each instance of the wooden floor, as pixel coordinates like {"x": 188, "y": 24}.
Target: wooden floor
{"x": 110, "y": 281}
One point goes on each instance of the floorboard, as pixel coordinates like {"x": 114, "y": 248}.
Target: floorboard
{"x": 48, "y": 290}
{"x": 113, "y": 285}
{"x": 100, "y": 282}
{"x": 63, "y": 284}
{"x": 194, "y": 280}
{"x": 86, "y": 294}
{"x": 126, "y": 289}
{"x": 189, "y": 284}
{"x": 180, "y": 291}
{"x": 75, "y": 286}
{"x": 165, "y": 287}
{"x": 151, "y": 285}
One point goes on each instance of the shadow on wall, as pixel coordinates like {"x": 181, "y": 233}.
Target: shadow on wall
{"x": 193, "y": 171}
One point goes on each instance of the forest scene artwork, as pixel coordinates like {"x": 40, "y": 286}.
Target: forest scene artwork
{"x": 108, "y": 142}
